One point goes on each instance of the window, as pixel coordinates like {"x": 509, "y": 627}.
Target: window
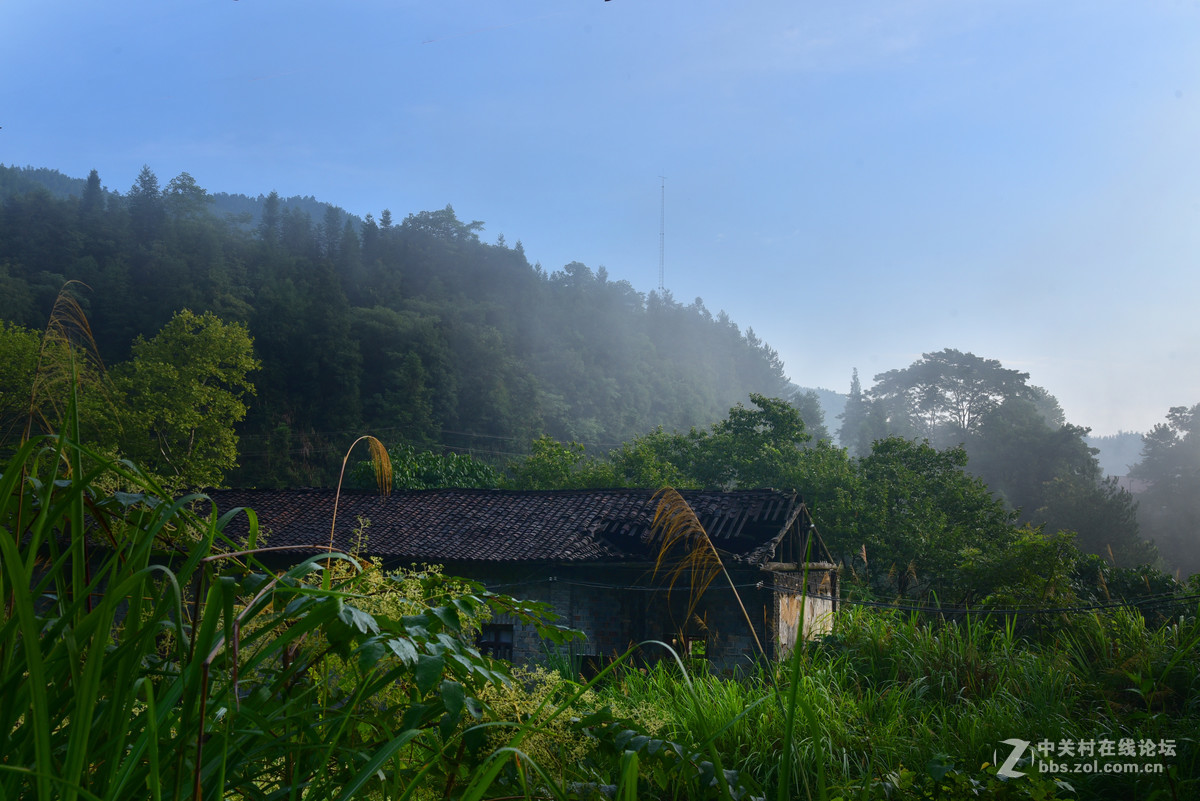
{"x": 496, "y": 640}
{"x": 695, "y": 653}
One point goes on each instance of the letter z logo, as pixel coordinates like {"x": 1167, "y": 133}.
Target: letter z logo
{"x": 1007, "y": 770}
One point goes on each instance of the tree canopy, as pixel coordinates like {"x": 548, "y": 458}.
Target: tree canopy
{"x": 949, "y": 392}
{"x": 431, "y": 338}
{"x": 907, "y": 519}
{"x": 1015, "y": 438}
{"x": 416, "y": 330}
{"x": 182, "y": 393}
{"x": 173, "y": 406}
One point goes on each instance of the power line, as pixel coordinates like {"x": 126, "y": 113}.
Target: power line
{"x": 1163, "y": 599}
{"x": 378, "y": 432}
{"x": 1152, "y": 601}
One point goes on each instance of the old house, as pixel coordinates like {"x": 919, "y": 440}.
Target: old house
{"x": 591, "y": 554}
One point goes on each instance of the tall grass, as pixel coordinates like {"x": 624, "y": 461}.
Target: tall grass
{"x": 891, "y": 706}
{"x": 146, "y": 654}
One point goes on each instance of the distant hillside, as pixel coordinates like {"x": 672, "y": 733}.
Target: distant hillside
{"x": 247, "y": 210}
{"x": 1118, "y": 452}
{"x": 832, "y": 405}
{"x": 415, "y": 330}
{"x": 829, "y": 405}
{"x": 20, "y": 180}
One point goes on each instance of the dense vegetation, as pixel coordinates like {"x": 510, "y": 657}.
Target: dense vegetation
{"x": 415, "y": 330}
{"x": 906, "y": 520}
{"x": 144, "y": 654}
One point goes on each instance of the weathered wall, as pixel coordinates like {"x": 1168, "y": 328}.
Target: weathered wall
{"x": 809, "y": 614}
{"x": 618, "y": 607}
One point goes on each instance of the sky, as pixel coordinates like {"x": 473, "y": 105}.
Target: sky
{"x": 860, "y": 181}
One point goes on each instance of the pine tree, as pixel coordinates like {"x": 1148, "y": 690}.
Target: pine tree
{"x": 853, "y": 430}
{"x": 268, "y": 229}
{"x": 146, "y": 211}
{"x": 91, "y": 205}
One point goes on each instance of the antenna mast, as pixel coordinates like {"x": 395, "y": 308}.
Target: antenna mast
{"x": 662, "y": 231}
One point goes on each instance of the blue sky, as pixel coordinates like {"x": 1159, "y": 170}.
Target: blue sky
{"x": 860, "y": 182}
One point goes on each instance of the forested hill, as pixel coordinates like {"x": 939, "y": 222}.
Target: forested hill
{"x": 242, "y": 210}
{"x": 414, "y": 330}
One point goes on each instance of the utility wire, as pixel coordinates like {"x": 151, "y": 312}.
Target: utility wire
{"x": 1016, "y": 610}
{"x": 1151, "y": 601}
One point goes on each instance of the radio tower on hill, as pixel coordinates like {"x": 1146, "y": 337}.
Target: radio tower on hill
{"x": 662, "y": 231}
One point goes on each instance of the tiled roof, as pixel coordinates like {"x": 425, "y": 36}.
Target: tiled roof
{"x": 504, "y": 526}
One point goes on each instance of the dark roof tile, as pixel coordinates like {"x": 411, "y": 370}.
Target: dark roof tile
{"x": 506, "y": 526}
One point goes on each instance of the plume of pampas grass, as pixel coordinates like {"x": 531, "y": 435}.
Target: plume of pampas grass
{"x": 382, "y": 465}
{"x": 67, "y": 357}
{"x": 677, "y": 527}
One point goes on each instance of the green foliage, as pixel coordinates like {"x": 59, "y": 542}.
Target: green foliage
{"x": 172, "y": 407}
{"x": 1019, "y": 454}
{"x": 418, "y": 331}
{"x": 854, "y": 434}
{"x": 941, "y": 779}
{"x": 908, "y": 520}
{"x": 185, "y": 199}
{"x": 550, "y": 465}
{"x": 1104, "y": 516}
{"x": 917, "y": 517}
{"x": 1137, "y": 668}
{"x": 532, "y": 697}
{"x": 127, "y": 671}
{"x": 182, "y": 392}
{"x": 1016, "y": 437}
{"x": 18, "y": 365}
{"x": 420, "y": 470}
{"x": 650, "y": 461}
{"x": 443, "y": 224}
{"x": 751, "y": 447}
{"x": 1036, "y": 570}
{"x": 1052, "y": 477}
{"x": 1097, "y": 580}
{"x": 213, "y": 676}
{"x": 49, "y": 369}
{"x": 808, "y": 406}
{"x": 890, "y": 706}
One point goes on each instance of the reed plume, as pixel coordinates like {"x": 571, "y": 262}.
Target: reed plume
{"x": 676, "y": 527}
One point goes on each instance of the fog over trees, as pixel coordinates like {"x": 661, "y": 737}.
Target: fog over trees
{"x": 1017, "y": 440}
{"x": 484, "y": 369}
{"x": 416, "y": 329}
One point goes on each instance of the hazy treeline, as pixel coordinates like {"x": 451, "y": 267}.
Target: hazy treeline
{"x": 904, "y": 519}
{"x": 1018, "y": 441}
{"x": 415, "y": 329}
{"x": 1117, "y": 452}
{"x": 949, "y": 434}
